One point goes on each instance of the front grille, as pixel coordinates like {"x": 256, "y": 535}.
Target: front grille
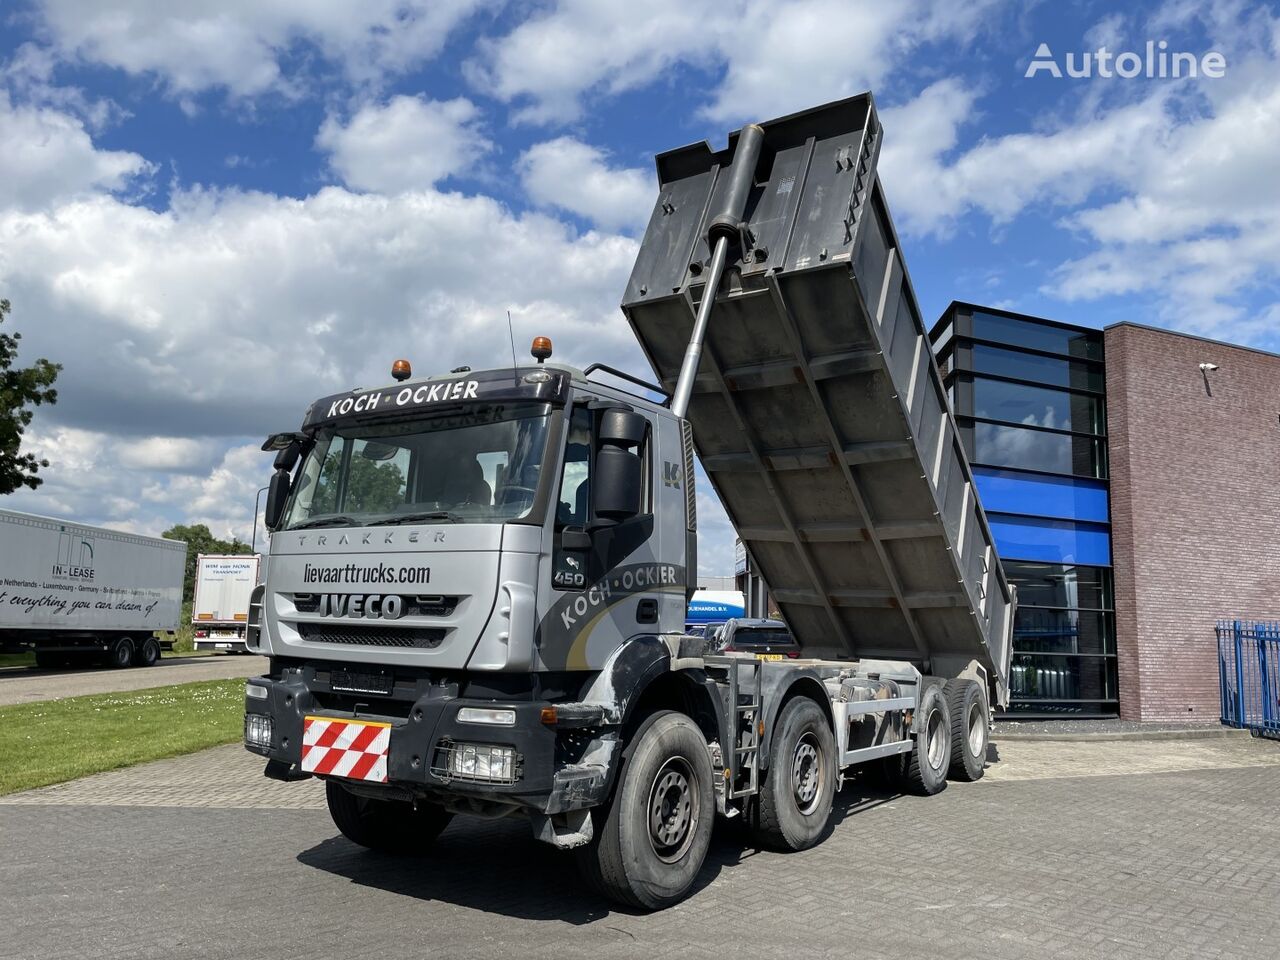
{"x": 359, "y": 635}
{"x": 414, "y": 606}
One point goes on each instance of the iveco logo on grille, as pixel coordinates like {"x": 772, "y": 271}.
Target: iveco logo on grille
{"x": 370, "y": 606}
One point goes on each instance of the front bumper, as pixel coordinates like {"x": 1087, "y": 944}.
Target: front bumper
{"x": 550, "y": 774}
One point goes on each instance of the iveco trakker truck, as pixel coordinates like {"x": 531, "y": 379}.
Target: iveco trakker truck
{"x": 478, "y": 581}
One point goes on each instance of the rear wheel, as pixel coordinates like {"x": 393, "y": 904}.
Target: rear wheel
{"x": 121, "y": 653}
{"x": 651, "y": 840}
{"x": 927, "y": 764}
{"x": 148, "y": 653}
{"x": 50, "y": 661}
{"x": 390, "y": 826}
{"x": 967, "y": 704}
{"x": 800, "y": 784}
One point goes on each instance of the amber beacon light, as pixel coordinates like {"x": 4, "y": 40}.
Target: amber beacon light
{"x": 401, "y": 370}
{"x": 541, "y": 349}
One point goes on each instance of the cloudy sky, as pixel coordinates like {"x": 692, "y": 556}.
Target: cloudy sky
{"x": 211, "y": 214}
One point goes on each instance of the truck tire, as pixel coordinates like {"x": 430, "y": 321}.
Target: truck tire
{"x": 121, "y": 653}
{"x": 388, "y": 826}
{"x": 800, "y": 785}
{"x": 46, "y": 660}
{"x": 651, "y": 840}
{"x": 148, "y": 653}
{"x": 967, "y": 704}
{"x": 927, "y": 764}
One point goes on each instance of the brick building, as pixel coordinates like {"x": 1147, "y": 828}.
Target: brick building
{"x": 1133, "y": 497}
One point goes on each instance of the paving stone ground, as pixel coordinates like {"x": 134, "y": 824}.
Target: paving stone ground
{"x": 27, "y": 685}
{"x": 1072, "y": 851}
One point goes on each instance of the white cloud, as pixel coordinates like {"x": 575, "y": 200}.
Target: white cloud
{"x": 574, "y": 176}
{"x": 771, "y": 57}
{"x": 1003, "y": 176}
{"x": 169, "y": 454}
{"x": 230, "y": 312}
{"x": 47, "y": 157}
{"x": 409, "y": 143}
{"x": 245, "y": 46}
{"x": 96, "y": 479}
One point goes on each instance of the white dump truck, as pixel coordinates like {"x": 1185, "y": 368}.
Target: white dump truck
{"x": 220, "y": 607}
{"x": 478, "y": 581}
{"x": 70, "y": 592}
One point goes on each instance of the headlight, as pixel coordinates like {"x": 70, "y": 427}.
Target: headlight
{"x": 258, "y": 730}
{"x": 478, "y": 761}
{"x": 255, "y": 691}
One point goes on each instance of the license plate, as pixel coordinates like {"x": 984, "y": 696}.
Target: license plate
{"x": 355, "y": 749}
{"x": 768, "y": 656}
{"x": 344, "y": 681}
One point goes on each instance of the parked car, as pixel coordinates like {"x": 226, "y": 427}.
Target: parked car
{"x": 769, "y": 639}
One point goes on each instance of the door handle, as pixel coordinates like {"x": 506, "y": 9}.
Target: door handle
{"x": 647, "y": 611}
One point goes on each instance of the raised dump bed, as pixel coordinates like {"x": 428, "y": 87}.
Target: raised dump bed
{"x": 818, "y": 411}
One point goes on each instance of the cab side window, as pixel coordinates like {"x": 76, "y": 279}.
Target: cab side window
{"x": 574, "y": 503}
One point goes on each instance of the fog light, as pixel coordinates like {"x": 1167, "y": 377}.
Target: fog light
{"x": 499, "y": 718}
{"x": 258, "y": 730}
{"x": 478, "y": 761}
{"x": 255, "y": 691}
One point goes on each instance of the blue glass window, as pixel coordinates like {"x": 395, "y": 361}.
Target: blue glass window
{"x": 1051, "y": 541}
{"x": 1037, "y": 336}
{"x": 1038, "y": 369}
{"x": 1002, "y": 446}
{"x": 1069, "y": 498}
{"x": 1037, "y": 406}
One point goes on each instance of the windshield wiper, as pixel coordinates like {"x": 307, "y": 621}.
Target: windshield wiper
{"x": 416, "y": 518}
{"x": 335, "y": 520}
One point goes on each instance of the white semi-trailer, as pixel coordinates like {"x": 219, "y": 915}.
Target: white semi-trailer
{"x": 68, "y": 591}
{"x": 478, "y": 581}
{"x": 220, "y": 608}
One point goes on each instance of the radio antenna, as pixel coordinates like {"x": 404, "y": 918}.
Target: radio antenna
{"x": 515, "y": 376}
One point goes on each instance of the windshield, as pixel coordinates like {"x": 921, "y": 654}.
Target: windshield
{"x": 480, "y": 465}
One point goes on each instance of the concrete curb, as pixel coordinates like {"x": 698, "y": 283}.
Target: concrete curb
{"x": 1212, "y": 733}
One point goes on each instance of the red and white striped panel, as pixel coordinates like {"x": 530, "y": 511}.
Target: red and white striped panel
{"x": 346, "y": 748}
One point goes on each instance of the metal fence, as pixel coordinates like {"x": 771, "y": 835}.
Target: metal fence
{"x": 1249, "y": 675}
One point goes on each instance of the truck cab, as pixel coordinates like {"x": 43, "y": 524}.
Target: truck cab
{"x": 467, "y": 553}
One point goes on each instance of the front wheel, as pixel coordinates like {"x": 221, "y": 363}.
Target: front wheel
{"x": 800, "y": 784}
{"x": 389, "y": 826}
{"x": 651, "y": 840}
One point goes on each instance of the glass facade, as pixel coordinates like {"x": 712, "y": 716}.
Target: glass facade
{"x": 1030, "y": 401}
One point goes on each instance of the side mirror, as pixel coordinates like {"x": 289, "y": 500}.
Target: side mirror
{"x": 619, "y": 477}
{"x": 287, "y": 457}
{"x": 618, "y": 483}
{"x": 277, "y": 497}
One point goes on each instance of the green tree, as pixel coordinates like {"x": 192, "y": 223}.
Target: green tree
{"x": 20, "y": 389}
{"x": 200, "y": 539}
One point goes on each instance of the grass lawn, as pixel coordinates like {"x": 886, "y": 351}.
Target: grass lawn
{"x": 43, "y": 743}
